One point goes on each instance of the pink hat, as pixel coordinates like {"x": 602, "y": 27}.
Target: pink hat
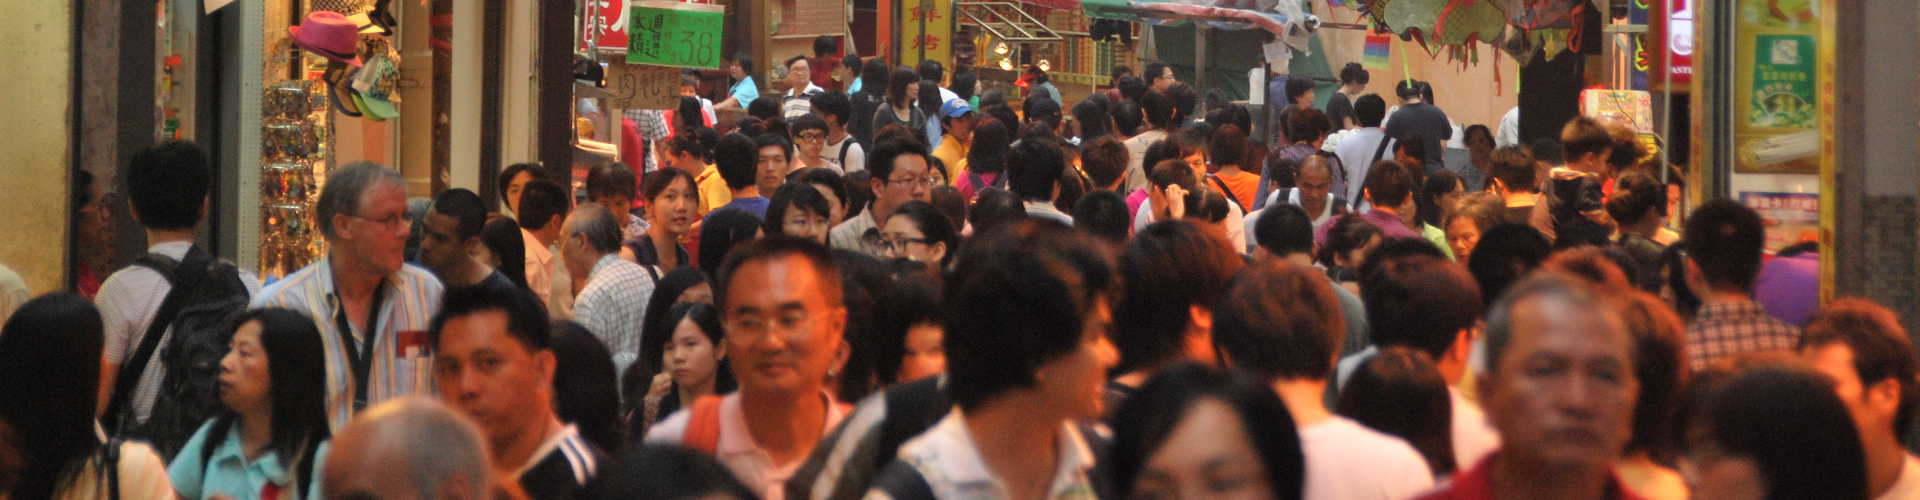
{"x": 329, "y": 34}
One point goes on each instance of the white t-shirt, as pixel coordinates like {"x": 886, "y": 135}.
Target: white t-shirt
{"x": 856, "y": 155}
{"x": 128, "y": 302}
{"x": 1509, "y": 134}
{"x": 1473, "y": 437}
{"x": 1908, "y": 487}
{"x": 1348, "y": 461}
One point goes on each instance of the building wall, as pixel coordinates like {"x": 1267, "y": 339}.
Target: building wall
{"x": 36, "y": 152}
{"x": 1475, "y": 94}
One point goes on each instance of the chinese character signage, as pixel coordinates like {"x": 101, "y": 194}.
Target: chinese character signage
{"x": 606, "y": 25}
{"x": 1788, "y": 217}
{"x": 926, "y": 31}
{"x": 642, "y": 87}
{"x": 685, "y": 35}
{"x": 1776, "y": 115}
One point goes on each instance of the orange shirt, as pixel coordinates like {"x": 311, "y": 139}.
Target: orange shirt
{"x": 1242, "y": 186}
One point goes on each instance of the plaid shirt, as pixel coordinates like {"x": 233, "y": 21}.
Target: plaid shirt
{"x": 1727, "y": 329}
{"x": 613, "y": 304}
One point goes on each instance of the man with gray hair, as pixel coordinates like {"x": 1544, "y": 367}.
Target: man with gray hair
{"x": 614, "y": 301}
{"x": 371, "y": 308}
{"x": 408, "y": 448}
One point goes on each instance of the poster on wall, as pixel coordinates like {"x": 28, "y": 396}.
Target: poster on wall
{"x": 926, "y": 31}
{"x": 1789, "y": 217}
{"x": 1777, "y": 116}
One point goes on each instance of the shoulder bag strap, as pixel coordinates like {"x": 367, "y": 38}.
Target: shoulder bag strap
{"x": 183, "y": 277}
{"x": 1226, "y": 192}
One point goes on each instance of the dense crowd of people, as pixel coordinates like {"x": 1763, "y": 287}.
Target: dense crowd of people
{"x": 911, "y": 291}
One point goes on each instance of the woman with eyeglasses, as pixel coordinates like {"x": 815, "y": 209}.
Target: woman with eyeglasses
{"x": 919, "y": 232}
{"x": 810, "y": 143}
{"x": 798, "y": 210}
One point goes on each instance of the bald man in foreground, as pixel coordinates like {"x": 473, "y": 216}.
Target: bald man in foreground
{"x": 409, "y": 448}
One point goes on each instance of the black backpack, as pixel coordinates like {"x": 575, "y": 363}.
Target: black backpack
{"x": 207, "y": 294}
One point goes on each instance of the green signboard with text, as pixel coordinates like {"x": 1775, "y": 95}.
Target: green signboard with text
{"x": 685, "y": 35}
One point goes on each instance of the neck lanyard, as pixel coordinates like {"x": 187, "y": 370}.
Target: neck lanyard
{"x": 360, "y": 355}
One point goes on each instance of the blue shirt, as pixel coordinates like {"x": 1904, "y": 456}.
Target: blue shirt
{"x": 227, "y": 472}
{"x": 745, "y": 92}
{"x": 851, "y": 89}
{"x": 756, "y": 205}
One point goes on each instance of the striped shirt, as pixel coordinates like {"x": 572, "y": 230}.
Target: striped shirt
{"x": 401, "y": 363}
{"x": 561, "y": 466}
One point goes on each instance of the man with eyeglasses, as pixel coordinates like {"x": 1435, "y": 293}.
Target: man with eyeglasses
{"x": 370, "y": 307}
{"x": 781, "y": 307}
{"x": 900, "y": 174}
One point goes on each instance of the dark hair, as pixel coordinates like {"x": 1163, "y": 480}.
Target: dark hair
{"x": 297, "y": 371}
{"x": 1093, "y": 118}
{"x": 1415, "y": 146}
{"x": 1369, "y": 110}
{"x": 774, "y": 247}
{"x": 1104, "y": 214}
{"x": 1040, "y": 281}
{"x": 1420, "y": 301}
{"x": 930, "y": 69}
{"x": 825, "y": 45}
{"x": 933, "y": 224}
{"x": 660, "y": 333}
{"x": 1546, "y": 149}
{"x": 658, "y": 182}
{"x": 771, "y": 139}
{"x": 526, "y": 316}
{"x": 1035, "y": 170}
{"x": 1400, "y": 392}
{"x": 167, "y": 182}
{"x": 1626, "y": 147}
{"x": 1299, "y": 85}
{"x": 1104, "y": 159}
{"x": 1230, "y": 114}
{"x": 1476, "y": 128}
{"x": 1144, "y": 422}
{"x": 1170, "y": 266}
{"x": 1793, "y": 427}
{"x": 655, "y": 472}
{"x": 963, "y": 82}
{"x": 1127, "y": 117}
{"x": 1307, "y": 124}
{"x": 654, "y": 332}
{"x": 502, "y": 237}
{"x": 824, "y": 177}
{"x": 880, "y": 161}
{"x": 1504, "y": 254}
{"x": 1514, "y": 167}
{"x": 1660, "y": 364}
{"x": 1389, "y": 183}
{"x": 1881, "y": 348}
{"x": 586, "y": 392}
{"x": 1725, "y": 239}
{"x": 874, "y": 76}
{"x": 1184, "y": 99}
{"x": 993, "y": 207}
{"x": 1407, "y": 88}
{"x": 721, "y": 232}
{"x": 929, "y": 99}
{"x": 765, "y": 108}
{"x": 347, "y": 187}
{"x": 736, "y": 158}
{"x": 745, "y": 61}
{"x": 1349, "y": 232}
{"x": 1280, "y": 321}
{"x": 1153, "y": 71}
{"x": 50, "y": 356}
{"x": 897, "y": 86}
{"x": 83, "y": 189}
{"x": 1588, "y": 263}
{"x": 1354, "y": 73}
{"x": 1003, "y": 113}
{"x": 832, "y": 103}
{"x": 610, "y": 179}
{"x": 689, "y": 114}
{"x": 1634, "y": 195}
{"x": 951, "y": 205}
{"x": 852, "y": 62}
{"x": 1284, "y": 230}
{"x": 1583, "y": 135}
{"x": 1159, "y": 110}
{"x": 1119, "y": 71}
{"x": 792, "y": 196}
{"x": 1041, "y": 108}
{"x": 1228, "y": 147}
{"x": 859, "y": 191}
{"x": 912, "y": 301}
{"x": 540, "y": 202}
{"x": 465, "y": 208}
{"x": 514, "y": 170}
{"x": 1439, "y": 184}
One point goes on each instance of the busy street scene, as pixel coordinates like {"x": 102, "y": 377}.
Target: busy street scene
{"x": 960, "y": 249}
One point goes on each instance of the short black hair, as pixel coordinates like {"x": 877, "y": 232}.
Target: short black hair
{"x": 540, "y": 202}
{"x": 789, "y": 62}
{"x": 1228, "y": 146}
{"x": 1184, "y": 98}
{"x": 825, "y": 45}
{"x": 721, "y": 231}
{"x": 1505, "y": 254}
{"x": 166, "y": 184}
{"x": 1146, "y": 420}
{"x": 1400, "y": 392}
{"x": 1280, "y": 321}
{"x": 1354, "y": 73}
{"x": 767, "y": 107}
{"x": 1298, "y": 85}
{"x": 1153, "y": 72}
{"x": 994, "y": 207}
{"x": 1583, "y": 135}
{"x": 874, "y": 75}
{"x": 1170, "y": 266}
{"x": 1039, "y": 107}
{"x": 514, "y": 170}
{"x": 1127, "y": 117}
{"x": 1370, "y": 110}
{"x": 964, "y": 80}
{"x": 1035, "y": 169}
{"x": 1093, "y": 118}
{"x": 1283, "y": 230}
{"x": 1881, "y": 348}
{"x": 1514, "y": 167}
{"x": 1725, "y": 239}
{"x": 1419, "y": 301}
{"x": 852, "y": 62}
{"x": 1104, "y": 214}
{"x": 1040, "y": 281}
{"x": 736, "y": 157}
{"x": 1389, "y": 183}
{"x": 610, "y": 179}
{"x": 1407, "y": 88}
{"x": 1131, "y": 87}
{"x": 1347, "y": 233}
{"x": 880, "y": 161}
{"x": 930, "y": 69}
{"x": 1104, "y": 159}
{"x": 824, "y": 177}
{"x": 799, "y": 124}
{"x": 1159, "y": 109}
{"x": 792, "y": 196}
{"x": 912, "y": 301}
{"x": 464, "y": 207}
{"x": 933, "y": 225}
{"x": 773, "y": 247}
{"x": 526, "y": 316}
{"x": 1792, "y": 426}
{"x": 745, "y": 60}
{"x": 1307, "y": 124}
{"x": 833, "y": 103}
{"x": 1414, "y": 146}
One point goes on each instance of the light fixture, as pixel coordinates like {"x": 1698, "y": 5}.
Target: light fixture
{"x": 1006, "y": 65}
{"x": 1000, "y": 49}
{"x": 1045, "y": 66}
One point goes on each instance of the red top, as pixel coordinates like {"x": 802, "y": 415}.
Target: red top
{"x": 822, "y": 68}
{"x": 1477, "y": 484}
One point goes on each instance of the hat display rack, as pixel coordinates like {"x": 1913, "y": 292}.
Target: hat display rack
{"x": 305, "y": 66}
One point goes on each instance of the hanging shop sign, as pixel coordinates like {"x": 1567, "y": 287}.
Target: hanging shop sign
{"x": 1669, "y": 43}
{"x": 683, "y": 35}
{"x": 1776, "y": 111}
{"x": 605, "y": 25}
{"x": 926, "y": 31}
{"x": 636, "y": 86}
